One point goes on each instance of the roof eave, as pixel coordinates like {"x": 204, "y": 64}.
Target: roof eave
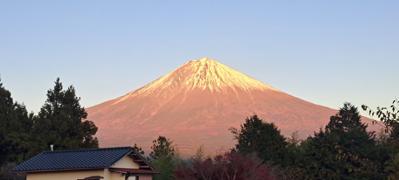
{"x": 57, "y": 170}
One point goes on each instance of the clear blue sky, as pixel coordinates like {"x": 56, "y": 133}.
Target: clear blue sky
{"x": 327, "y": 52}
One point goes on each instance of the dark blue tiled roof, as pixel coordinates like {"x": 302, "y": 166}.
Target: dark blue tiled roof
{"x": 73, "y": 159}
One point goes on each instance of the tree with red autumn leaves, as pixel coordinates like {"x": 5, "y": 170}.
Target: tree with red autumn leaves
{"x": 230, "y": 166}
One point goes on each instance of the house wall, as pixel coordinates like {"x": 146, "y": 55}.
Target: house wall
{"x": 117, "y": 176}
{"x": 107, "y": 174}
{"x": 72, "y": 175}
{"x": 126, "y": 162}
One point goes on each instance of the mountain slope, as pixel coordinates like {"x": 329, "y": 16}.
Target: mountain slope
{"x": 196, "y": 105}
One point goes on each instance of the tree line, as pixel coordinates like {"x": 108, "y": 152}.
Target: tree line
{"x": 61, "y": 122}
{"x": 344, "y": 149}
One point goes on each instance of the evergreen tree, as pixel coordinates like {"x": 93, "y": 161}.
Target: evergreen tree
{"x": 162, "y": 158}
{"x": 261, "y": 138}
{"x": 62, "y": 121}
{"x": 345, "y": 150}
{"x": 162, "y": 147}
{"x": 15, "y": 125}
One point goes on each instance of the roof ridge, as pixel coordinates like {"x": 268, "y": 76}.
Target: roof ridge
{"x": 87, "y": 149}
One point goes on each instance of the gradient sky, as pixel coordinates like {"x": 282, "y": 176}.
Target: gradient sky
{"x": 327, "y": 52}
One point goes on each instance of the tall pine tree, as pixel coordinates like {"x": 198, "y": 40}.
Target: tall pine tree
{"x": 262, "y": 139}
{"x": 343, "y": 151}
{"x": 62, "y": 121}
{"x": 15, "y": 125}
{"x": 163, "y": 159}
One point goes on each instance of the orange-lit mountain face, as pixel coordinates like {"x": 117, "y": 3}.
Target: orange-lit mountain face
{"x": 197, "y": 104}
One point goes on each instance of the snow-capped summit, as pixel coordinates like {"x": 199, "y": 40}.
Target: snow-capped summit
{"x": 202, "y": 74}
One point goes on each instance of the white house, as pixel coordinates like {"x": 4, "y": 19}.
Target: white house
{"x": 120, "y": 163}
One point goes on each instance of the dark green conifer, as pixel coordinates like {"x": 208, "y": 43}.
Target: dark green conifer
{"x": 62, "y": 121}
{"x": 163, "y": 158}
{"x": 262, "y": 139}
{"x": 345, "y": 150}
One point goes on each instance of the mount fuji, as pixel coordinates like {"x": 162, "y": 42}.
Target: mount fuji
{"x": 196, "y": 104}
